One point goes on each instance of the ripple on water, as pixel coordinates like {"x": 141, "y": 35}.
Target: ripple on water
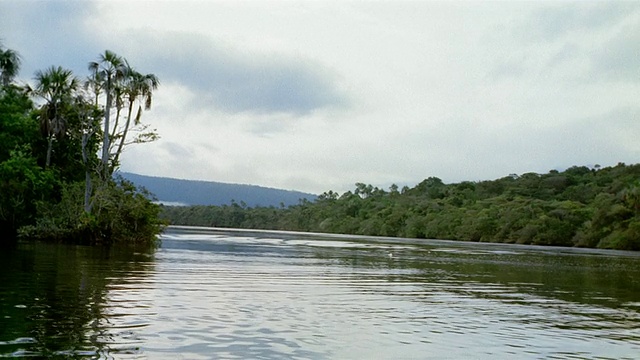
{"x": 205, "y": 295}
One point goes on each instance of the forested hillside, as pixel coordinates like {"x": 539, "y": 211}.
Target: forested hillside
{"x": 581, "y": 206}
{"x": 192, "y": 192}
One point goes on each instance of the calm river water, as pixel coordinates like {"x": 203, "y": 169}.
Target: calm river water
{"x": 227, "y": 294}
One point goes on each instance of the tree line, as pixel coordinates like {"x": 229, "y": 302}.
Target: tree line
{"x": 580, "y": 206}
{"x": 61, "y": 139}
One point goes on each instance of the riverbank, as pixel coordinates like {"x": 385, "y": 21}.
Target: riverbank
{"x": 578, "y": 207}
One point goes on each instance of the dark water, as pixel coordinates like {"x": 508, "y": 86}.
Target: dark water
{"x": 208, "y": 294}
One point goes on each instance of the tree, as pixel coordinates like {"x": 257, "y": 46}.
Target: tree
{"x": 57, "y": 87}
{"x": 138, "y": 87}
{"x": 22, "y": 181}
{"x": 88, "y": 125}
{"x": 17, "y": 127}
{"x": 107, "y": 71}
{"x": 22, "y": 184}
{"x": 9, "y": 65}
{"x": 631, "y": 197}
{"x": 122, "y": 87}
{"x": 41, "y": 177}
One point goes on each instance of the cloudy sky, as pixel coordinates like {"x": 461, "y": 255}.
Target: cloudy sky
{"x": 319, "y": 95}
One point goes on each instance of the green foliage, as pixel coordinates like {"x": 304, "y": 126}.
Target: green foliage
{"x": 49, "y": 188}
{"x": 9, "y": 65}
{"x": 22, "y": 180}
{"x": 577, "y": 207}
{"x": 128, "y": 215}
{"x": 124, "y": 216}
{"x": 22, "y": 183}
{"x": 17, "y": 127}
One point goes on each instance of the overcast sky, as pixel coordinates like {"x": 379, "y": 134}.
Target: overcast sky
{"x": 319, "y": 95}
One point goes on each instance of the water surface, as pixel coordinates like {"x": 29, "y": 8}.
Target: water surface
{"x": 211, "y": 293}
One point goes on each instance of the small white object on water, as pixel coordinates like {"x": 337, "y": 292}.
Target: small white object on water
{"x": 390, "y": 255}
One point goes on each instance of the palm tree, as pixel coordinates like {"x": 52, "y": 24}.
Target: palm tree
{"x": 57, "y": 87}
{"x": 107, "y": 72}
{"x": 138, "y": 87}
{"x": 9, "y": 65}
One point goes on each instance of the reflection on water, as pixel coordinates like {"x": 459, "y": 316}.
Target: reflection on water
{"x": 242, "y": 294}
{"x": 54, "y": 299}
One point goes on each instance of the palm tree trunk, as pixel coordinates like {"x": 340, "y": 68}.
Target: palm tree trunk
{"x": 88, "y": 187}
{"x": 106, "y": 136}
{"x": 87, "y": 191}
{"x": 49, "y": 150}
{"x": 117, "y": 120}
{"x": 124, "y": 134}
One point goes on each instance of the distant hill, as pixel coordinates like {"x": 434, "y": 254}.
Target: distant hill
{"x": 192, "y": 192}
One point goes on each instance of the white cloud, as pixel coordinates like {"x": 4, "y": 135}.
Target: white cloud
{"x": 318, "y": 95}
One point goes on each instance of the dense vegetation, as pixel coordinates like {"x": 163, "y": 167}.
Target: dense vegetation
{"x": 61, "y": 141}
{"x": 53, "y": 184}
{"x": 598, "y": 207}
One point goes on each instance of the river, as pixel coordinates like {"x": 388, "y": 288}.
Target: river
{"x": 241, "y": 294}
